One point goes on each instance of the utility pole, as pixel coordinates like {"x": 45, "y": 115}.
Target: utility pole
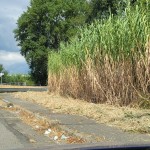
{"x": 1, "y": 75}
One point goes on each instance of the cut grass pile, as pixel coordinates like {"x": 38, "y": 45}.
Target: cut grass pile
{"x": 126, "y": 118}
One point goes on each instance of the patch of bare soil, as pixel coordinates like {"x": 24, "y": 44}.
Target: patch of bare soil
{"x": 44, "y": 126}
{"x": 126, "y": 118}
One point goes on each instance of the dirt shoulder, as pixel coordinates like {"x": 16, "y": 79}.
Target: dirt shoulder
{"x": 126, "y": 118}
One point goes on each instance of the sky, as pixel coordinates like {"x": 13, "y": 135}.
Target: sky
{"x": 10, "y": 57}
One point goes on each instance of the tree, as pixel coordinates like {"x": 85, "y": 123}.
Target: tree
{"x": 101, "y": 9}
{"x": 19, "y": 79}
{"x": 43, "y": 26}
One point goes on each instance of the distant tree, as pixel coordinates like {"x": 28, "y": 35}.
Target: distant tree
{"x": 43, "y": 26}
{"x": 19, "y": 78}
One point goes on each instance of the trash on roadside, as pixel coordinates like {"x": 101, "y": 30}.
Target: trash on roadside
{"x": 32, "y": 141}
{"x": 47, "y": 132}
{"x": 63, "y": 137}
{"x": 10, "y": 105}
{"x": 17, "y": 112}
{"x": 37, "y": 127}
{"x": 55, "y": 138}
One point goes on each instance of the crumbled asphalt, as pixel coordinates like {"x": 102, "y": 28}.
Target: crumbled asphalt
{"x": 14, "y": 134}
{"x": 83, "y": 125}
{"x": 7, "y": 139}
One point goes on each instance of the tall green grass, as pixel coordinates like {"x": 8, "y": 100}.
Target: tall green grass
{"x": 109, "y": 61}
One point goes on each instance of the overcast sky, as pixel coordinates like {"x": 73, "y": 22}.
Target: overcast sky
{"x": 10, "y": 56}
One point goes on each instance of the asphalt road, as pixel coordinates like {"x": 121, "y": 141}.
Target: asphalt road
{"x": 16, "y": 135}
{"x": 38, "y": 89}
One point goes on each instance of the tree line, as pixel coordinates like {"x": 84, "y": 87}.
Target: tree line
{"x": 15, "y": 78}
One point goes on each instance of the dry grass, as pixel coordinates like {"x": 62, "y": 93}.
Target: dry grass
{"x": 122, "y": 83}
{"x": 41, "y": 124}
{"x": 129, "y": 119}
{"x": 107, "y": 62}
{"x": 45, "y": 124}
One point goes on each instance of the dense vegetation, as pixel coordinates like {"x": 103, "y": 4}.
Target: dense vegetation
{"x": 15, "y": 79}
{"x": 19, "y": 79}
{"x": 108, "y": 61}
{"x": 47, "y": 23}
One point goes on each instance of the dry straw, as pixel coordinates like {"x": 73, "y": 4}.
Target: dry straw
{"x": 109, "y": 63}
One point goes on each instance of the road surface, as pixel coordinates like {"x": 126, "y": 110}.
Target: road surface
{"x": 24, "y": 89}
{"x": 16, "y": 135}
